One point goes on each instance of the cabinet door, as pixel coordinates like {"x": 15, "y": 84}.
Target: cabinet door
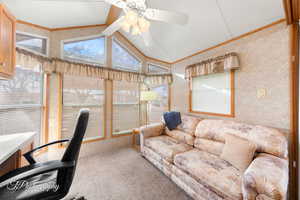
{"x": 7, "y": 43}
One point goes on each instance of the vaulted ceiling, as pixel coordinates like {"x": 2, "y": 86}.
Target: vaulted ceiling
{"x": 210, "y": 21}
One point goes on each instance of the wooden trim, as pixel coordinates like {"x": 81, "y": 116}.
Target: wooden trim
{"x": 231, "y": 40}
{"x": 77, "y": 27}
{"x": 157, "y": 60}
{"x": 169, "y": 97}
{"x": 60, "y": 107}
{"x": 232, "y": 100}
{"x": 33, "y": 25}
{"x": 294, "y": 111}
{"x": 113, "y": 15}
{"x": 46, "y": 97}
{"x": 292, "y": 11}
{"x": 61, "y": 28}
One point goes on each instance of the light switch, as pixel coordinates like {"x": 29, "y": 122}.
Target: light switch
{"x": 261, "y": 93}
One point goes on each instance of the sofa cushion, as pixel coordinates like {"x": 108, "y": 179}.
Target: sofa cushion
{"x": 166, "y": 146}
{"x": 219, "y": 175}
{"x": 210, "y": 146}
{"x": 268, "y": 140}
{"x": 238, "y": 151}
{"x": 188, "y": 124}
{"x": 181, "y": 136}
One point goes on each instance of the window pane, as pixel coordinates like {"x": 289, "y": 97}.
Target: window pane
{"x": 160, "y": 105}
{"x": 125, "y": 106}
{"x": 122, "y": 59}
{"x": 21, "y": 120}
{"x": 91, "y": 50}
{"x": 24, "y": 88}
{"x": 211, "y": 93}
{"x": 32, "y": 43}
{"x": 83, "y": 92}
{"x": 21, "y": 102}
{"x": 154, "y": 69}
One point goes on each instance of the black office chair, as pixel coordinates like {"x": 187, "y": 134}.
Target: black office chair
{"x": 48, "y": 180}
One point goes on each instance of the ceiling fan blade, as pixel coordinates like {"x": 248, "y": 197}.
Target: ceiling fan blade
{"x": 118, "y": 3}
{"x": 147, "y": 38}
{"x": 166, "y": 16}
{"x": 113, "y": 27}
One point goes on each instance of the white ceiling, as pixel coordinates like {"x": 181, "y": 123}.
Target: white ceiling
{"x": 59, "y": 14}
{"x": 210, "y": 21}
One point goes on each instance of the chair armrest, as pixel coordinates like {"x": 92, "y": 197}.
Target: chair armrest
{"x": 150, "y": 131}
{"x": 266, "y": 176}
{"x": 28, "y": 155}
{"x": 33, "y": 170}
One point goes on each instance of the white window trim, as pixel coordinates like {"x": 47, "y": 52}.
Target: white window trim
{"x": 77, "y": 39}
{"x": 159, "y": 66}
{"x": 130, "y": 52}
{"x": 37, "y": 36}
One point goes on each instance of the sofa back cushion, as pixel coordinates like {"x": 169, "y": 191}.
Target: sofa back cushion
{"x": 181, "y": 136}
{"x": 268, "y": 140}
{"x": 209, "y": 146}
{"x": 188, "y": 124}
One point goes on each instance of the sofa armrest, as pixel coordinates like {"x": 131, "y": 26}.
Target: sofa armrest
{"x": 266, "y": 176}
{"x": 150, "y": 131}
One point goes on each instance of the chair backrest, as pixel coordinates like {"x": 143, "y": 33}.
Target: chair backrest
{"x": 65, "y": 177}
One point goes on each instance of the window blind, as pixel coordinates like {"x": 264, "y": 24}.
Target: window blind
{"x": 160, "y": 105}
{"x": 21, "y": 102}
{"x": 83, "y": 92}
{"x": 126, "y": 107}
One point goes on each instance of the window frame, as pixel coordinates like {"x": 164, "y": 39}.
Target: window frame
{"x": 36, "y": 36}
{"x": 159, "y": 66}
{"x": 232, "y": 100}
{"x": 78, "y": 39}
{"x": 43, "y": 105}
{"x": 169, "y": 99}
{"x": 129, "y": 131}
{"x": 90, "y": 139}
{"x": 115, "y": 39}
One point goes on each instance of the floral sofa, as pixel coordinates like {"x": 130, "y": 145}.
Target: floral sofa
{"x": 190, "y": 157}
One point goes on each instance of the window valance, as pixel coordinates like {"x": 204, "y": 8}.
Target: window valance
{"x": 57, "y": 65}
{"x": 218, "y": 64}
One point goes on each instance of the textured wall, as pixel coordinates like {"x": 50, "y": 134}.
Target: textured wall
{"x": 264, "y": 60}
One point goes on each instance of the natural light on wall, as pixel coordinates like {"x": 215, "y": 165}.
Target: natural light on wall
{"x": 212, "y": 93}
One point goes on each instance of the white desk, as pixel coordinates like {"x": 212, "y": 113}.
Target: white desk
{"x": 11, "y": 149}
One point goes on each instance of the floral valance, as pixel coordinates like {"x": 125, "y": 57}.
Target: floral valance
{"x": 218, "y": 64}
{"x": 57, "y": 65}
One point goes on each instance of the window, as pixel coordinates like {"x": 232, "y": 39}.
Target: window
{"x": 126, "y": 107}
{"x": 29, "y": 42}
{"x": 160, "y": 105}
{"x": 83, "y": 92}
{"x": 21, "y": 102}
{"x": 154, "y": 69}
{"x": 213, "y": 94}
{"x": 124, "y": 60}
{"x": 90, "y": 50}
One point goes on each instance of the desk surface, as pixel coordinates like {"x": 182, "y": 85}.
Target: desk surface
{"x": 9, "y": 144}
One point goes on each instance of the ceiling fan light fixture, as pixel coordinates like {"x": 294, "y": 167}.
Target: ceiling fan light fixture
{"x": 136, "y": 30}
{"x": 143, "y": 24}
{"x": 131, "y": 17}
{"x": 126, "y": 26}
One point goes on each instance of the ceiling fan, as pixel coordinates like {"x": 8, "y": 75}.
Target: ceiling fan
{"x": 137, "y": 16}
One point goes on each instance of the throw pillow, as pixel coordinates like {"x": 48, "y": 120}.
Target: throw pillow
{"x": 238, "y": 151}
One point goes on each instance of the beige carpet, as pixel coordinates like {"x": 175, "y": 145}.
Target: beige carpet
{"x": 122, "y": 175}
